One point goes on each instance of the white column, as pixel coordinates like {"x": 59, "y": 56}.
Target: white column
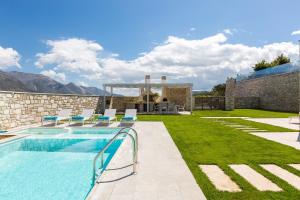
{"x": 148, "y": 89}
{"x": 104, "y": 98}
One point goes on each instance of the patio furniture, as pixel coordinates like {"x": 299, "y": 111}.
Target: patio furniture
{"x": 85, "y": 115}
{"x": 63, "y": 114}
{"x": 130, "y": 116}
{"x": 109, "y": 115}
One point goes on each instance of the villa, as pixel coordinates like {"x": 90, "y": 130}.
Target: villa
{"x": 156, "y": 145}
{"x": 149, "y": 100}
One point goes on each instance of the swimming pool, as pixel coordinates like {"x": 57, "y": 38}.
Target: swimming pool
{"x": 55, "y": 165}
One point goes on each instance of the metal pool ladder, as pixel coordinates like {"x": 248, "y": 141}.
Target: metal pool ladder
{"x": 134, "y": 140}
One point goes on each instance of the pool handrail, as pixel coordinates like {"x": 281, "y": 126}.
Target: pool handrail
{"x": 134, "y": 140}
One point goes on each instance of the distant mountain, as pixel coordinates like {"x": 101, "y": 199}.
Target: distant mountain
{"x": 28, "y": 82}
{"x": 9, "y": 83}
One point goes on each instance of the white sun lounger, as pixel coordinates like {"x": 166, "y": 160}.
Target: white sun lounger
{"x": 85, "y": 115}
{"x": 109, "y": 115}
{"x": 130, "y": 116}
{"x": 63, "y": 114}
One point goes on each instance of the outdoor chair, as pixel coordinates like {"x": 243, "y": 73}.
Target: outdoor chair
{"x": 130, "y": 116}
{"x": 85, "y": 115}
{"x": 109, "y": 115}
{"x": 63, "y": 114}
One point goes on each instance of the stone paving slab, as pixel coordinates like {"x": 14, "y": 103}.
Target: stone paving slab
{"x": 224, "y": 117}
{"x": 296, "y": 166}
{"x": 256, "y": 130}
{"x": 254, "y": 178}
{"x": 282, "y": 122}
{"x": 285, "y": 175}
{"x": 162, "y": 174}
{"x": 219, "y": 179}
{"x": 286, "y": 138}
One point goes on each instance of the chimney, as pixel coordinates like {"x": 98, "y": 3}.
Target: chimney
{"x": 163, "y": 79}
{"x": 147, "y": 79}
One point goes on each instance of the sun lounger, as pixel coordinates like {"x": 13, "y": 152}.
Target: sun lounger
{"x": 130, "y": 116}
{"x": 85, "y": 115}
{"x": 109, "y": 115}
{"x": 62, "y": 115}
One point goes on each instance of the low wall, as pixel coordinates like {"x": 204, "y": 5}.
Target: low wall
{"x": 18, "y": 108}
{"x": 121, "y": 103}
{"x": 247, "y": 102}
{"x": 278, "y": 92}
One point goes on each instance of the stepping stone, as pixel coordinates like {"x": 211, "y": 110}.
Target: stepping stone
{"x": 251, "y": 130}
{"x": 219, "y": 179}
{"x": 296, "y": 166}
{"x": 285, "y": 175}
{"x": 254, "y": 178}
{"x": 246, "y": 128}
{"x": 239, "y": 126}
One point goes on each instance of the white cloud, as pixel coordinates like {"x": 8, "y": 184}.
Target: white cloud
{"x": 60, "y": 77}
{"x": 297, "y": 32}
{"x": 228, "y": 31}
{"x": 204, "y": 62}
{"x": 74, "y": 55}
{"x": 82, "y": 83}
{"x": 9, "y": 58}
{"x": 192, "y": 29}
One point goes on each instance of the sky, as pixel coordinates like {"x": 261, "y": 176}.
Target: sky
{"x": 92, "y": 42}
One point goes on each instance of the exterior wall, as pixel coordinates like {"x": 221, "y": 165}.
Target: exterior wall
{"x": 247, "y": 102}
{"x": 18, "y": 109}
{"x": 179, "y": 96}
{"x": 275, "y": 92}
{"x": 229, "y": 94}
{"x": 121, "y": 103}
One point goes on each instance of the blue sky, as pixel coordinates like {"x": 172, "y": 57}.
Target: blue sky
{"x": 129, "y": 28}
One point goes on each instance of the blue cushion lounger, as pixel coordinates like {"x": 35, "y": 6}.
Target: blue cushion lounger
{"x": 104, "y": 118}
{"x": 50, "y": 118}
{"x": 63, "y": 114}
{"x": 86, "y": 114}
{"x": 77, "y": 118}
{"x": 109, "y": 115}
{"x": 128, "y": 118}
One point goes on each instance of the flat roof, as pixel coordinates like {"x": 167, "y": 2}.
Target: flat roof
{"x": 144, "y": 85}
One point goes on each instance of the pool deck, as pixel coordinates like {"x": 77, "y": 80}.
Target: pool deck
{"x": 162, "y": 174}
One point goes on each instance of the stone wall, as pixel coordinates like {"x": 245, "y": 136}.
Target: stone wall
{"x": 121, "y": 103}
{"x": 179, "y": 96}
{"x": 275, "y": 92}
{"x": 18, "y": 109}
{"x": 247, "y": 102}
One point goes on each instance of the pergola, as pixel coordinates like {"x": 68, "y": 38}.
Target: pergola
{"x": 147, "y": 87}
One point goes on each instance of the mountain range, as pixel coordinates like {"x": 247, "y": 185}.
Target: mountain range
{"x": 29, "y": 82}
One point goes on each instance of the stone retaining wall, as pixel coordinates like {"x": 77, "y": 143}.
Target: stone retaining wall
{"x": 278, "y": 92}
{"x": 18, "y": 109}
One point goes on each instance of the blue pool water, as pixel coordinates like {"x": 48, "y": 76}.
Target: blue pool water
{"x": 50, "y": 167}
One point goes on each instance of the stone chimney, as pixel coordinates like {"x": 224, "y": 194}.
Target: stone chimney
{"x": 147, "y": 78}
{"x": 163, "y": 79}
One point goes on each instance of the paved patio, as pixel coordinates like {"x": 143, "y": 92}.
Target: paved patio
{"x": 162, "y": 174}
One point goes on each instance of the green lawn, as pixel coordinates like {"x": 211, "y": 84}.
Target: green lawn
{"x": 204, "y": 141}
{"x": 244, "y": 113}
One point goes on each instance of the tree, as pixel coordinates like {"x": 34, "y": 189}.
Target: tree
{"x": 280, "y": 60}
{"x": 219, "y": 90}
